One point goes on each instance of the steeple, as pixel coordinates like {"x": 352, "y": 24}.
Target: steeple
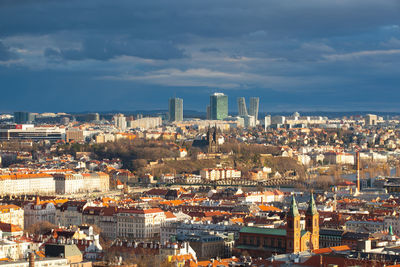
{"x": 293, "y": 228}
{"x": 312, "y": 223}
{"x": 293, "y": 210}
{"x": 312, "y": 208}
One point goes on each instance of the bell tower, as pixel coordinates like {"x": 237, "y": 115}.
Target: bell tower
{"x": 293, "y": 228}
{"x": 312, "y": 223}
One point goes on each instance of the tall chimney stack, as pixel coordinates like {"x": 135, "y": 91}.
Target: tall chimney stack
{"x": 358, "y": 170}
{"x": 32, "y": 259}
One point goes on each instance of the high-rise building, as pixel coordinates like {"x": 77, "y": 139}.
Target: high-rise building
{"x": 120, "y": 121}
{"x": 254, "y": 105}
{"x": 242, "y": 110}
{"x": 267, "y": 121}
{"x": 218, "y": 106}
{"x": 22, "y": 117}
{"x": 208, "y": 112}
{"x": 176, "y": 109}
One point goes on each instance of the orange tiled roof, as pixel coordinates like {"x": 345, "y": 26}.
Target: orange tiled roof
{"x": 269, "y": 208}
{"x": 222, "y": 262}
{"x": 15, "y": 176}
{"x": 169, "y": 215}
{"x": 331, "y": 249}
{"x": 7, "y": 207}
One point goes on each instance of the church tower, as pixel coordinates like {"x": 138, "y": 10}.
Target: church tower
{"x": 293, "y": 228}
{"x": 312, "y": 223}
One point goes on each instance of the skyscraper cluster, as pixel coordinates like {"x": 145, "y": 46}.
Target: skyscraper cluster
{"x": 251, "y": 117}
{"x": 218, "y": 109}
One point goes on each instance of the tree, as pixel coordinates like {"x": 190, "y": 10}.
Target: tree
{"x": 41, "y": 228}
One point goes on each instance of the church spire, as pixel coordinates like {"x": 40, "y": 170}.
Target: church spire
{"x": 312, "y": 208}
{"x": 293, "y": 210}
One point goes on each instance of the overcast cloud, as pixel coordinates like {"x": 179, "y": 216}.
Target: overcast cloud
{"x": 125, "y": 55}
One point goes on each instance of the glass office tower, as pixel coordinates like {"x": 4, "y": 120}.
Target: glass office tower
{"x": 218, "y": 106}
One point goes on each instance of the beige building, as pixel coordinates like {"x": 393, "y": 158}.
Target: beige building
{"x": 140, "y": 223}
{"x": 219, "y": 174}
{"x": 371, "y": 119}
{"x": 70, "y": 213}
{"x": 33, "y": 183}
{"x": 14, "y": 250}
{"x": 12, "y": 214}
{"x": 339, "y": 158}
{"x": 69, "y": 183}
{"x": 75, "y": 135}
{"x": 145, "y": 123}
{"x": 37, "y": 211}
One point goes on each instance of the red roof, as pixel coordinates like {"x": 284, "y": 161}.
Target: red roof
{"x": 9, "y": 228}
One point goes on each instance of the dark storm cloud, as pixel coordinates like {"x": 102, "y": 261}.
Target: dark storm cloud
{"x": 204, "y": 18}
{"x": 312, "y": 52}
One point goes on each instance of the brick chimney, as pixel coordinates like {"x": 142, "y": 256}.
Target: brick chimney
{"x": 32, "y": 259}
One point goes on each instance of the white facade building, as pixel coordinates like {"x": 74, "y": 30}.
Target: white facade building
{"x": 35, "y": 212}
{"x": 144, "y": 224}
{"x": 19, "y": 184}
{"x": 219, "y": 174}
{"x": 120, "y": 121}
{"x": 69, "y": 183}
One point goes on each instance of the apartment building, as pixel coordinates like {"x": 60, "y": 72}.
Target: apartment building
{"x": 69, "y": 183}
{"x": 365, "y": 226}
{"x": 140, "y": 223}
{"x": 32, "y": 183}
{"x": 215, "y": 174}
{"x": 12, "y": 214}
{"x": 38, "y": 211}
{"x": 70, "y": 213}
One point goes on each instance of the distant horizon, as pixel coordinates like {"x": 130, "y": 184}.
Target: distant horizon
{"x": 188, "y": 111}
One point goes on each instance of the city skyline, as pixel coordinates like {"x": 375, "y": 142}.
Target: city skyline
{"x": 199, "y": 133}
{"x": 116, "y": 58}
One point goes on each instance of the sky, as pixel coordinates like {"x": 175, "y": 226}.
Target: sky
{"x": 102, "y": 55}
